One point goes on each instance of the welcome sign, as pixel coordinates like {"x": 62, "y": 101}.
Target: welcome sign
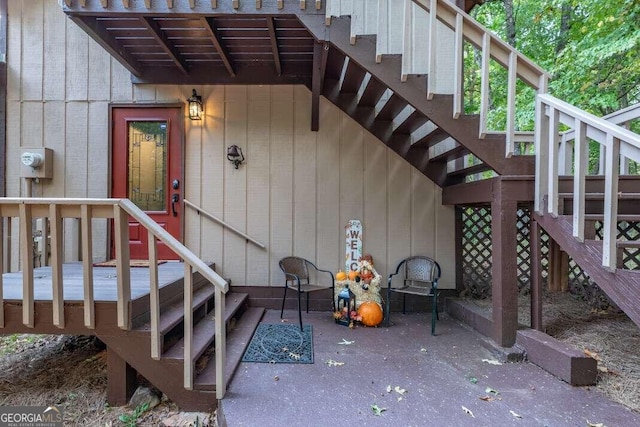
{"x": 353, "y": 233}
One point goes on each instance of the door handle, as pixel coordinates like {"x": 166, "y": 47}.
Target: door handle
{"x": 174, "y": 199}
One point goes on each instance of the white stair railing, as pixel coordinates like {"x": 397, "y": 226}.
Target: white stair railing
{"x": 430, "y": 39}
{"x": 118, "y": 210}
{"x": 616, "y": 141}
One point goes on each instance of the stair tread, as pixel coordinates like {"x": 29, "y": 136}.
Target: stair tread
{"x": 174, "y": 313}
{"x": 237, "y": 342}
{"x": 204, "y": 330}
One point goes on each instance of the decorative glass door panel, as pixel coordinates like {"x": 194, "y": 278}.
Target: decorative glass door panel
{"x": 148, "y": 165}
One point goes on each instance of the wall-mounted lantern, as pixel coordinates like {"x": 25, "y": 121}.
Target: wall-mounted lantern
{"x": 195, "y": 106}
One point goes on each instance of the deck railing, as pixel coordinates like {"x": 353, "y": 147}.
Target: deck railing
{"x": 119, "y": 210}
{"x": 616, "y": 141}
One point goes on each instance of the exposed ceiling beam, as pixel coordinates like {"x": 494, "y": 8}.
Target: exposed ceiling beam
{"x": 250, "y": 74}
{"x": 165, "y": 43}
{"x": 222, "y": 51}
{"x": 274, "y": 44}
{"x": 108, "y": 42}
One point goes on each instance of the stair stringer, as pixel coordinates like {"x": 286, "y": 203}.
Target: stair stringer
{"x": 622, "y": 286}
{"x": 439, "y": 110}
{"x": 135, "y": 348}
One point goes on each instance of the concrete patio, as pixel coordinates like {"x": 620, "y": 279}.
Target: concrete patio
{"x": 438, "y": 373}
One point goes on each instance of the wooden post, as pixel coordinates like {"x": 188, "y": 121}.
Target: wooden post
{"x": 154, "y": 297}
{"x": 87, "y": 266}
{"x": 221, "y": 342}
{"x": 504, "y": 269}
{"x": 188, "y": 327}
{"x": 123, "y": 270}
{"x": 56, "y": 265}
{"x": 121, "y": 379}
{"x": 536, "y": 275}
{"x": 26, "y": 255}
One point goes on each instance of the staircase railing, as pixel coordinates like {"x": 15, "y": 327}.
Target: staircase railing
{"x": 118, "y": 210}
{"x": 491, "y": 46}
{"x": 617, "y": 143}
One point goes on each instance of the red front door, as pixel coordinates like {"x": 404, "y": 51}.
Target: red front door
{"x": 147, "y": 169}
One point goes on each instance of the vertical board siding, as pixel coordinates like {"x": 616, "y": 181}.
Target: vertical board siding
{"x": 258, "y": 183}
{"x": 294, "y": 193}
{"x": 212, "y": 175}
{"x": 32, "y": 49}
{"x": 304, "y": 177}
{"x": 235, "y": 186}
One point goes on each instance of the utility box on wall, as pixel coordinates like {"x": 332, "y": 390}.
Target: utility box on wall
{"x": 36, "y": 163}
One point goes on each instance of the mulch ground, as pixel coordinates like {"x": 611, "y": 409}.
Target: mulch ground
{"x": 69, "y": 372}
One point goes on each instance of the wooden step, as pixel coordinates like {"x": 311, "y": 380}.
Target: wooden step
{"x": 237, "y": 341}
{"x": 204, "y": 330}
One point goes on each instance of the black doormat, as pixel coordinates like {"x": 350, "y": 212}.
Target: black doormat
{"x": 280, "y": 344}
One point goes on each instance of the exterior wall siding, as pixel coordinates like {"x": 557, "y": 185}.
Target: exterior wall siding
{"x": 294, "y": 193}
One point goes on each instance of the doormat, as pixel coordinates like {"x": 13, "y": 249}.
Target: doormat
{"x": 280, "y": 344}
{"x": 132, "y": 263}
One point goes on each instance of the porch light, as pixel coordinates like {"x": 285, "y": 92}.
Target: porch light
{"x": 346, "y": 304}
{"x": 234, "y": 155}
{"x": 195, "y": 106}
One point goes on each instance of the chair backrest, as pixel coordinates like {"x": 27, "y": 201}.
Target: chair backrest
{"x": 293, "y": 265}
{"x": 421, "y": 269}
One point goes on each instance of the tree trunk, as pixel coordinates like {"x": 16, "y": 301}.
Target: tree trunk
{"x": 565, "y": 26}
{"x": 510, "y": 22}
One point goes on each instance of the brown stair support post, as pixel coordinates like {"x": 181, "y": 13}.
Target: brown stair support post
{"x": 536, "y": 275}
{"x": 504, "y": 270}
{"x": 121, "y": 379}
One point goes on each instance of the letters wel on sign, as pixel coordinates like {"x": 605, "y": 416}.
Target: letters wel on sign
{"x": 353, "y": 232}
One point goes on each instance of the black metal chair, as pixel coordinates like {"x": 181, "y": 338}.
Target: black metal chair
{"x": 420, "y": 276}
{"x": 296, "y": 277}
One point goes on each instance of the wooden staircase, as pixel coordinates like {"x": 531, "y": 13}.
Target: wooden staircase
{"x": 427, "y": 127}
{"x": 167, "y": 372}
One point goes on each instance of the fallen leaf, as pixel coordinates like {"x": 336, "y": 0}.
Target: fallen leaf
{"x": 590, "y": 424}
{"x": 468, "y": 412}
{"x": 284, "y": 320}
{"x": 400, "y": 390}
{"x": 345, "y": 342}
{"x": 332, "y": 362}
{"x": 592, "y": 354}
{"x": 377, "y": 410}
{"x": 294, "y": 356}
{"x": 491, "y": 390}
{"x": 276, "y": 378}
{"x": 487, "y": 398}
{"x": 400, "y": 398}
{"x": 492, "y": 362}
{"x": 389, "y": 389}
{"x": 515, "y": 415}
{"x": 473, "y": 380}
{"x": 424, "y": 350}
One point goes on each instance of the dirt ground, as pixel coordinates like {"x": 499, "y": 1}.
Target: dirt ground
{"x": 70, "y": 372}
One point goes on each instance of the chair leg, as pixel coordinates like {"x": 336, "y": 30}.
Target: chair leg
{"x": 434, "y": 313}
{"x": 404, "y": 303}
{"x": 299, "y": 311}
{"x": 283, "y": 300}
{"x": 388, "y": 308}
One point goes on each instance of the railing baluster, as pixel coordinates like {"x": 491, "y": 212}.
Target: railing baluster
{"x": 56, "y": 265}
{"x": 87, "y": 266}
{"x": 511, "y": 104}
{"x": 484, "y": 84}
{"x": 154, "y": 297}
{"x": 554, "y": 117}
{"x": 188, "y": 326}
{"x": 581, "y": 163}
{"x": 221, "y": 343}
{"x": 610, "y": 226}
{"x": 458, "y": 66}
{"x": 121, "y": 237}
{"x": 26, "y": 253}
{"x": 542, "y": 150}
{"x": 433, "y": 40}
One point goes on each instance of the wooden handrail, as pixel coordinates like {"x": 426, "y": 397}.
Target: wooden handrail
{"x": 55, "y": 209}
{"x": 617, "y": 142}
{"x": 214, "y": 218}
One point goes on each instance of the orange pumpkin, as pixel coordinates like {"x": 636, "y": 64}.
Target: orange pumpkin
{"x": 341, "y": 275}
{"x": 371, "y": 313}
{"x": 353, "y": 274}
